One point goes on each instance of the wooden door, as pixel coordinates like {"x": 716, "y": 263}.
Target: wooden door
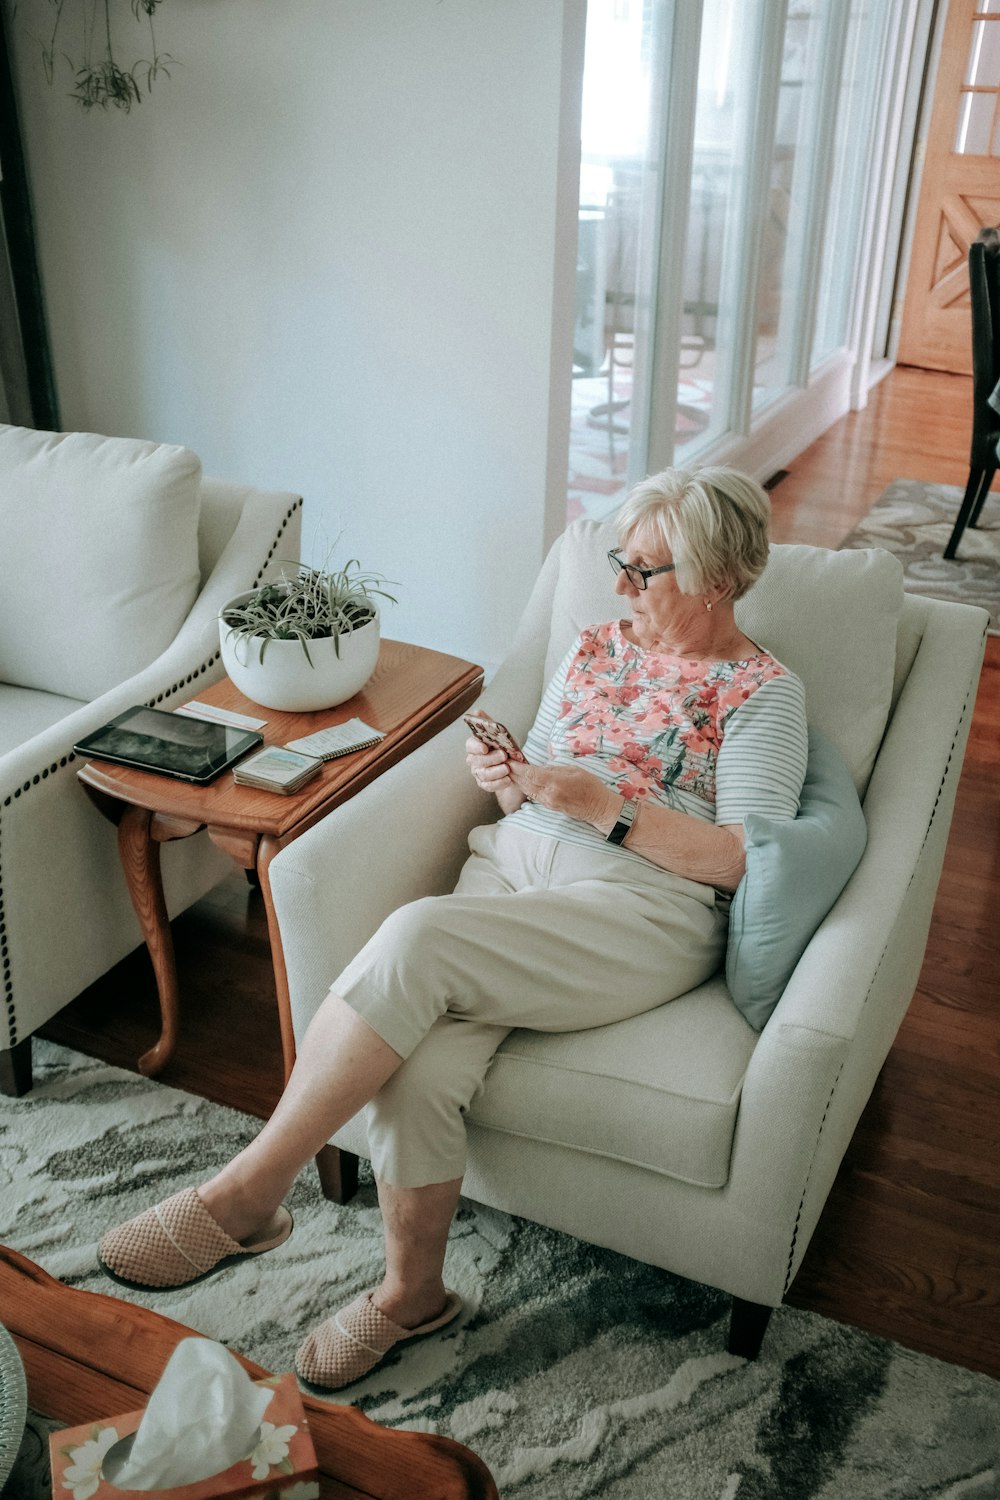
{"x": 959, "y": 191}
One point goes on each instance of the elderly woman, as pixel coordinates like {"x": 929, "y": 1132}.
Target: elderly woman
{"x": 600, "y": 893}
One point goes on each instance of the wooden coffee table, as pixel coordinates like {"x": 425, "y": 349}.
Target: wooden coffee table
{"x": 87, "y": 1356}
{"x": 412, "y": 694}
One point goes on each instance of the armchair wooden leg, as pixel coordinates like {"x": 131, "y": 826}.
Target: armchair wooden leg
{"x": 338, "y": 1174}
{"x": 15, "y": 1069}
{"x": 747, "y": 1326}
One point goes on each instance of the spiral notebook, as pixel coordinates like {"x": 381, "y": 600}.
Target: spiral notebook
{"x": 339, "y": 739}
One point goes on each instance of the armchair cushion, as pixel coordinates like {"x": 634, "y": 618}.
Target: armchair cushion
{"x": 659, "y": 1091}
{"x": 796, "y": 869}
{"x": 101, "y": 537}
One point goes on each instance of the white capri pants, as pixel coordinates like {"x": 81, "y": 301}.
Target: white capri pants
{"x": 539, "y": 933}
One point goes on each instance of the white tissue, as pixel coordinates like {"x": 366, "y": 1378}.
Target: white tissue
{"x": 203, "y": 1417}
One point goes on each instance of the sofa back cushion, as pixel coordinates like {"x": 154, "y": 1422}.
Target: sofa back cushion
{"x": 829, "y": 616}
{"x": 101, "y": 544}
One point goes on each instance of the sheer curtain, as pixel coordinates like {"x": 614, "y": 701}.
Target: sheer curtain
{"x": 27, "y": 392}
{"x": 15, "y": 394}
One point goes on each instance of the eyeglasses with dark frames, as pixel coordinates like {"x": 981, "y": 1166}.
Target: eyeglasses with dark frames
{"x": 637, "y": 577}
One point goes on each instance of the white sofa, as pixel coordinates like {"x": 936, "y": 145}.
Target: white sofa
{"x": 684, "y": 1138}
{"x": 119, "y": 556}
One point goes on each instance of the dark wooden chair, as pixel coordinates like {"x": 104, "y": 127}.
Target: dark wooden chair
{"x": 984, "y": 290}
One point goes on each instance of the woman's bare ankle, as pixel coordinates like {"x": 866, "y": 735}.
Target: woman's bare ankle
{"x": 410, "y": 1307}
{"x": 234, "y": 1207}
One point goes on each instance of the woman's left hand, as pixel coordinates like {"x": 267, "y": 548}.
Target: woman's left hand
{"x": 567, "y": 790}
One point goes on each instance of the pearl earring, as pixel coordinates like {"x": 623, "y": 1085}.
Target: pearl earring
{"x": 708, "y": 605}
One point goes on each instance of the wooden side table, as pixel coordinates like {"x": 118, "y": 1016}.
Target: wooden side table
{"x": 413, "y": 693}
{"x": 88, "y": 1356}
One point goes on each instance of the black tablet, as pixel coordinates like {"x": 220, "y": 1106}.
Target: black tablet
{"x": 152, "y": 739}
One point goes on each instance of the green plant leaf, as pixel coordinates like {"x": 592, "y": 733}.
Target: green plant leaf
{"x": 308, "y": 604}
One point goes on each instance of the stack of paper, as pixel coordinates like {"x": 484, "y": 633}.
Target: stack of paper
{"x": 276, "y": 769}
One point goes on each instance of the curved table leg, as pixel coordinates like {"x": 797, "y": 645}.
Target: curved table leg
{"x": 140, "y": 857}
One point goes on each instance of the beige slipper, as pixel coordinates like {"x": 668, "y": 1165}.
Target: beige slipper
{"x": 178, "y": 1242}
{"x": 357, "y": 1338}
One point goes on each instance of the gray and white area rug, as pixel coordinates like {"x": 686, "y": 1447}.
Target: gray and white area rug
{"x": 914, "y": 520}
{"x": 573, "y": 1372}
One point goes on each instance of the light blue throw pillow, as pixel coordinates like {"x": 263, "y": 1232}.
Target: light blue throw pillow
{"x": 796, "y": 868}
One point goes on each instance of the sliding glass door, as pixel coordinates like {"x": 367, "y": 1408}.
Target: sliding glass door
{"x": 617, "y": 247}
{"x": 725, "y": 173}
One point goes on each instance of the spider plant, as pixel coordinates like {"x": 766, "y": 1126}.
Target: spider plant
{"x": 307, "y": 604}
{"x": 100, "y": 79}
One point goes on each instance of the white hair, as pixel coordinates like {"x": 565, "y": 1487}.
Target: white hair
{"x": 713, "y": 521}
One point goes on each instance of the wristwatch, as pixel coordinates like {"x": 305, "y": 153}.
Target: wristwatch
{"x": 625, "y": 820}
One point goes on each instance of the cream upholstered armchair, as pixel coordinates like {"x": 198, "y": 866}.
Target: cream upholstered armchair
{"x": 119, "y": 556}
{"x": 687, "y": 1138}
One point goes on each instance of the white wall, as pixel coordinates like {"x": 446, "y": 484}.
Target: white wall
{"x": 323, "y": 255}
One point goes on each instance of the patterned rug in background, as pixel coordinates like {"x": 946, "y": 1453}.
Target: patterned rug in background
{"x": 914, "y": 520}
{"x": 574, "y": 1372}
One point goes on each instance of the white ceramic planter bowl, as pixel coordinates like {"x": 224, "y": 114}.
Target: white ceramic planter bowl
{"x": 285, "y": 679}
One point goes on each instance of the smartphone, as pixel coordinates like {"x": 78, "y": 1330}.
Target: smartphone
{"x": 494, "y": 734}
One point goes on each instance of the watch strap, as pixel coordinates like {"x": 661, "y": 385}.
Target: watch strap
{"x": 626, "y": 818}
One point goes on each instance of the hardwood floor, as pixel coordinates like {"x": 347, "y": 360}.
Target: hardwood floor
{"x": 909, "y": 1243}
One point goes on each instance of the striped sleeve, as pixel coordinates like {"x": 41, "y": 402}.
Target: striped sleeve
{"x": 536, "y": 746}
{"x": 762, "y": 759}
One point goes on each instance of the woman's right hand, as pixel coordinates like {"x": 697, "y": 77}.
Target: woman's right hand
{"x": 491, "y": 772}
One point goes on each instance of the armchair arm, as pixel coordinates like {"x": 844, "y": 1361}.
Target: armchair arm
{"x": 57, "y": 854}
{"x": 908, "y": 809}
{"x": 515, "y": 691}
{"x": 818, "y": 1058}
{"x": 402, "y": 837}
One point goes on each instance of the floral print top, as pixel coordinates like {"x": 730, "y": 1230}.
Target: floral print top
{"x": 716, "y": 739}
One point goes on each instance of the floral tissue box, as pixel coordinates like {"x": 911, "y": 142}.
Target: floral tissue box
{"x": 281, "y": 1466}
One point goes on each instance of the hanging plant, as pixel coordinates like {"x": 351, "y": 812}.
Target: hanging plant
{"x": 100, "y": 79}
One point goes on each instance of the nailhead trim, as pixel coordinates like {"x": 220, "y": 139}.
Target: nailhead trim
{"x": 67, "y": 760}
{"x": 927, "y": 832}
{"x": 8, "y": 982}
{"x": 274, "y": 545}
